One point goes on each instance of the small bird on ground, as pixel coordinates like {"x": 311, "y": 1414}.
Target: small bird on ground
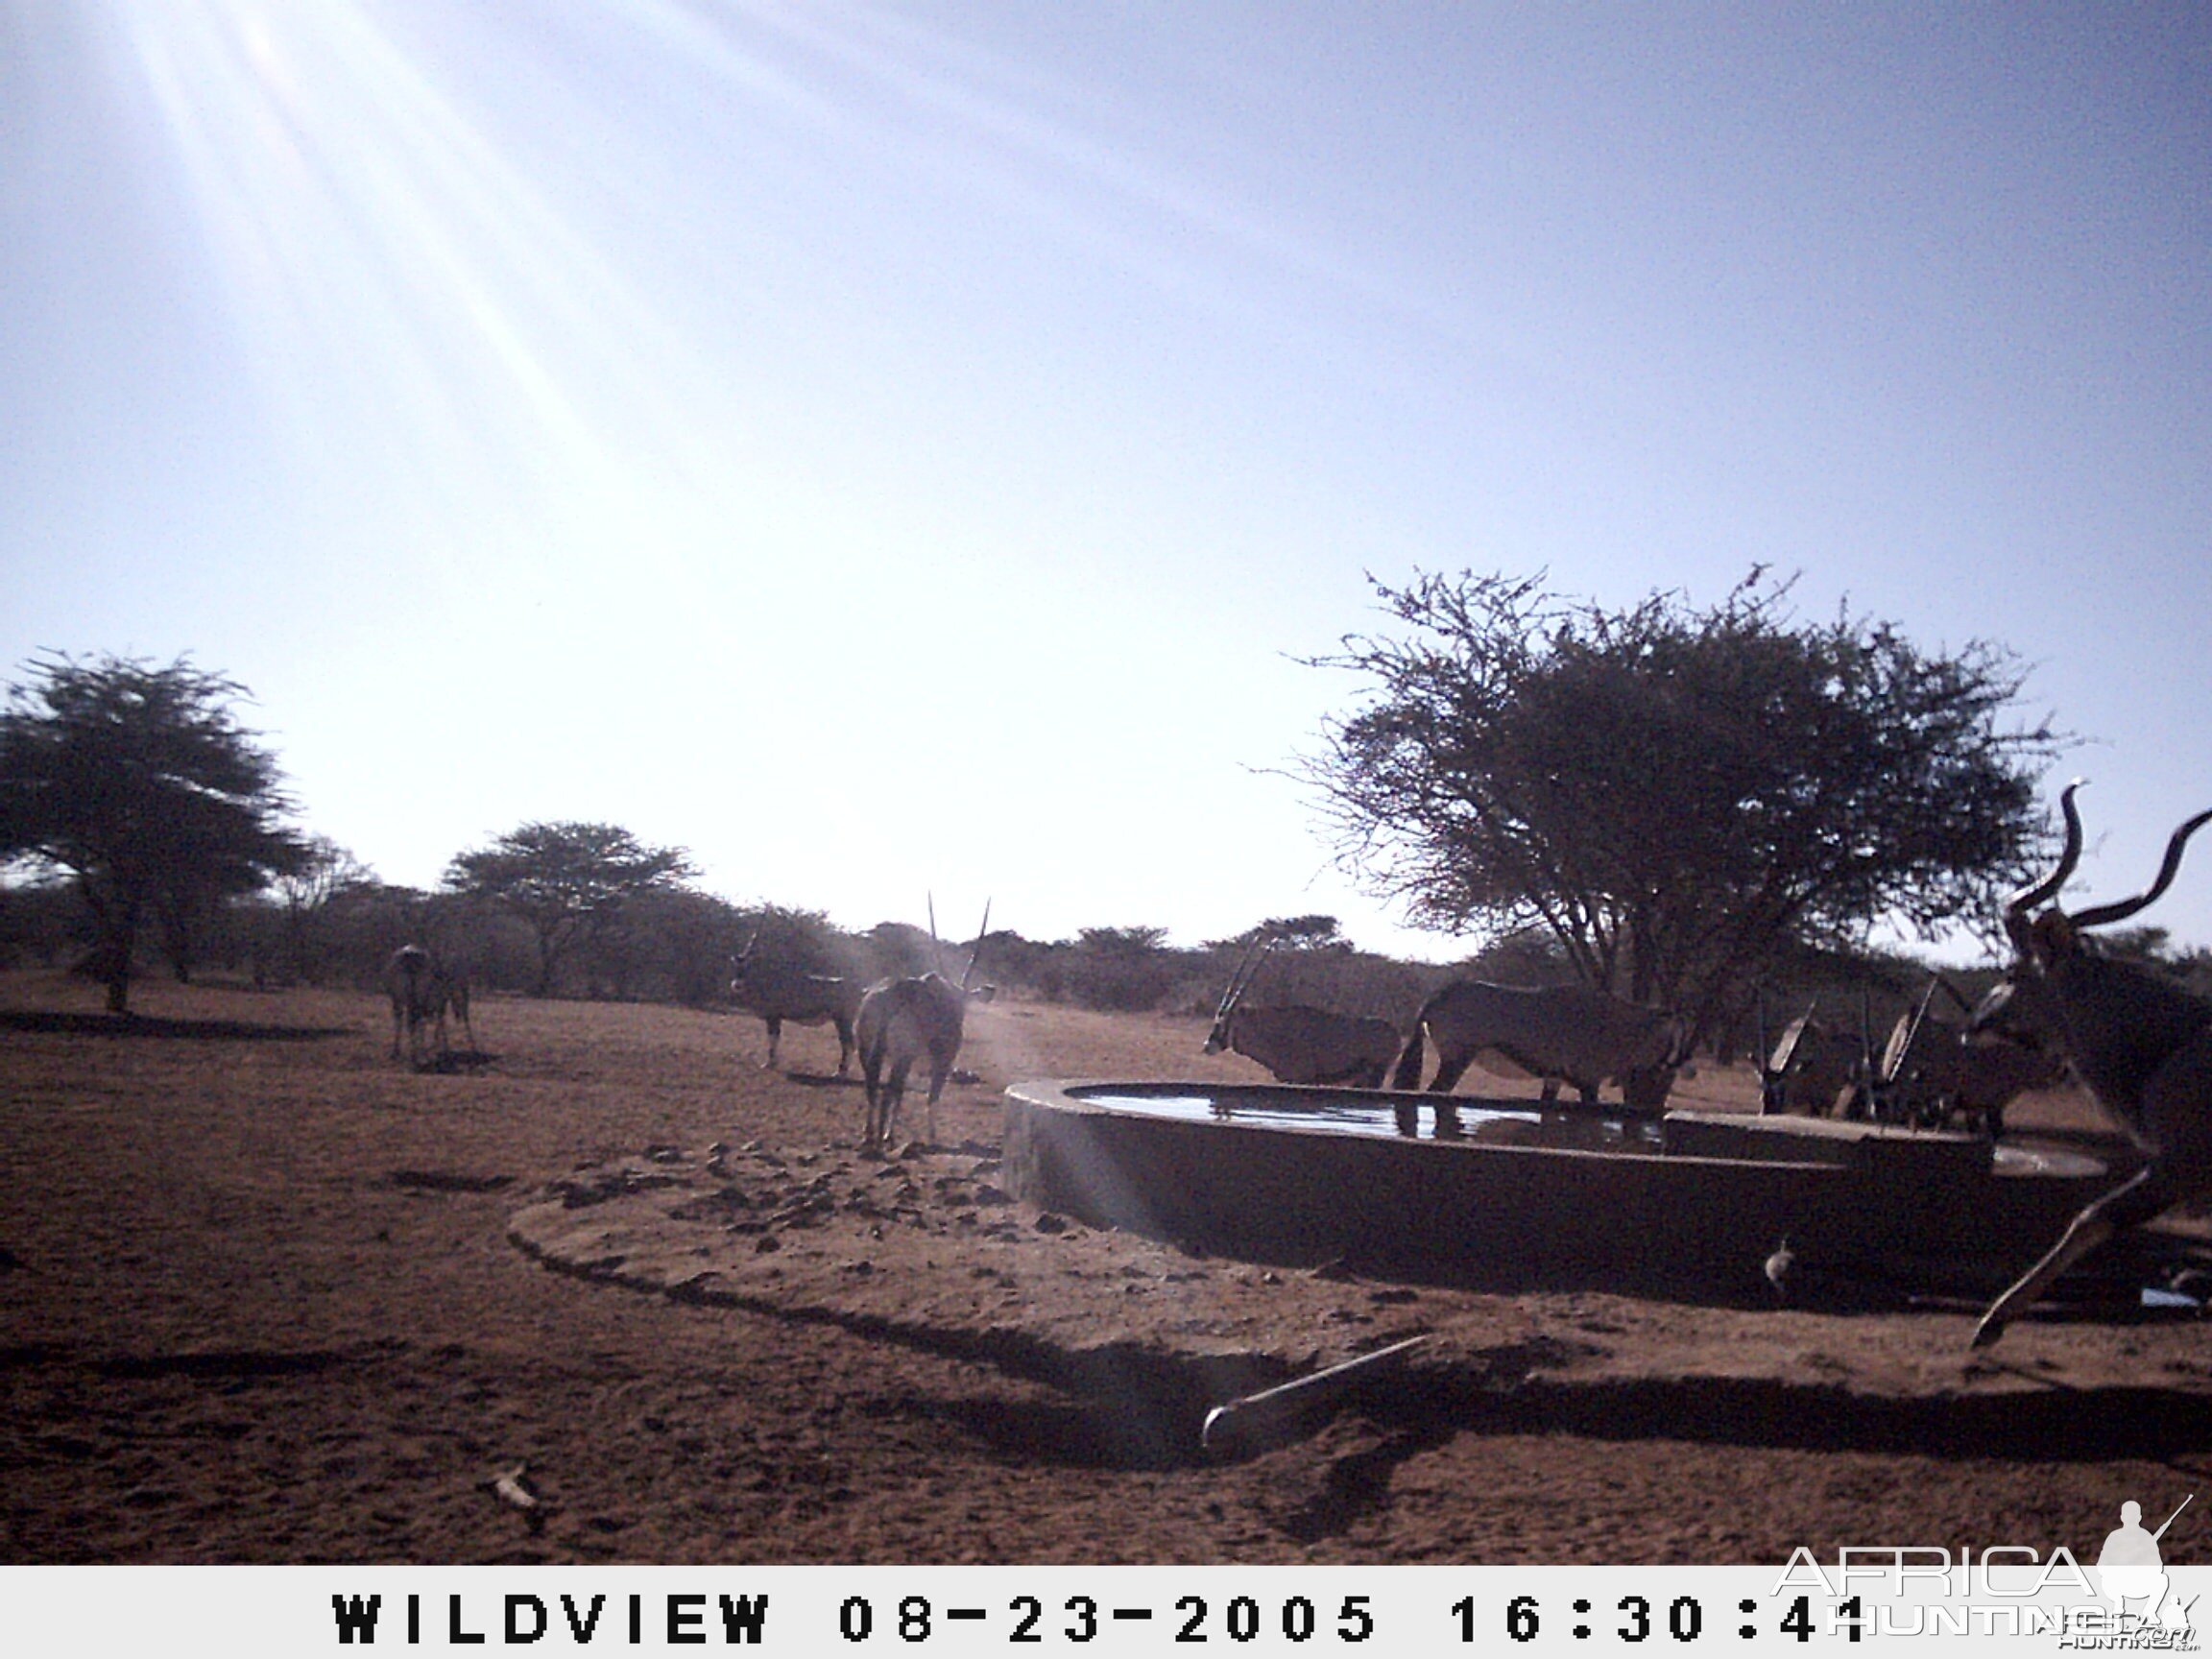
{"x": 1778, "y": 1267}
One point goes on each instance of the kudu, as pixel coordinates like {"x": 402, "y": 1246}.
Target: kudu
{"x": 1560, "y": 1033}
{"x": 902, "y": 1019}
{"x": 1298, "y": 1044}
{"x": 777, "y": 993}
{"x": 2141, "y": 1044}
{"x": 423, "y": 990}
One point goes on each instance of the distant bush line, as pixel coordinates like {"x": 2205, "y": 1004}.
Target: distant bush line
{"x": 676, "y": 947}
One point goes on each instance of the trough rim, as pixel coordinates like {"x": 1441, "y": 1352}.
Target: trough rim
{"x": 1054, "y": 1093}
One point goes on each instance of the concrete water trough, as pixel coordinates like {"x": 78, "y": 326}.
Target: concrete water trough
{"x": 1559, "y": 1197}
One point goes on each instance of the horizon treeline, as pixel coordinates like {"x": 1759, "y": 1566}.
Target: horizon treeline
{"x": 675, "y": 944}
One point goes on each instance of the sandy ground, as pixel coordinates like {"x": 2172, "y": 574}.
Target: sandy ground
{"x": 267, "y": 1295}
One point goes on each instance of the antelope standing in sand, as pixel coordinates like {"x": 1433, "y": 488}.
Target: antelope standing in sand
{"x": 777, "y": 993}
{"x": 1298, "y": 1044}
{"x": 2141, "y": 1044}
{"x": 902, "y": 1019}
{"x": 423, "y": 990}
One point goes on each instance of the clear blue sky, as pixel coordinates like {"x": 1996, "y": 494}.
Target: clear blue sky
{"x": 894, "y": 449}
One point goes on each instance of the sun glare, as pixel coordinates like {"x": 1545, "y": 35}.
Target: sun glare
{"x": 403, "y": 290}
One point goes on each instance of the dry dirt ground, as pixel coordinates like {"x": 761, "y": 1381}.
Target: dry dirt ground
{"x": 267, "y": 1295}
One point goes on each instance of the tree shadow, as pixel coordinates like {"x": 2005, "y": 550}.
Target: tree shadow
{"x": 53, "y": 1023}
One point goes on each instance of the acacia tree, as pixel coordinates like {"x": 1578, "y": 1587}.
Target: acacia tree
{"x": 137, "y": 785}
{"x": 1312, "y": 932}
{"x": 326, "y": 874}
{"x": 568, "y": 882}
{"x": 1675, "y": 795}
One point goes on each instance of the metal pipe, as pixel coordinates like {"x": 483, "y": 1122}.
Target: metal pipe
{"x": 1257, "y": 1421}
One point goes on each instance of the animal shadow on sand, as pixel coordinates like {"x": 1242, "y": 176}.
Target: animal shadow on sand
{"x": 51, "y": 1023}
{"x": 456, "y": 1062}
{"x": 1094, "y": 1434}
{"x": 1358, "y": 1484}
{"x": 2062, "y": 1424}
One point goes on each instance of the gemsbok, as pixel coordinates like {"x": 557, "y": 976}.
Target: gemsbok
{"x": 777, "y": 992}
{"x": 1811, "y": 1066}
{"x": 2141, "y": 1044}
{"x": 901, "y": 1021}
{"x": 1298, "y": 1044}
{"x": 1932, "y": 1072}
{"x": 423, "y": 990}
{"x": 1560, "y": 1033}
